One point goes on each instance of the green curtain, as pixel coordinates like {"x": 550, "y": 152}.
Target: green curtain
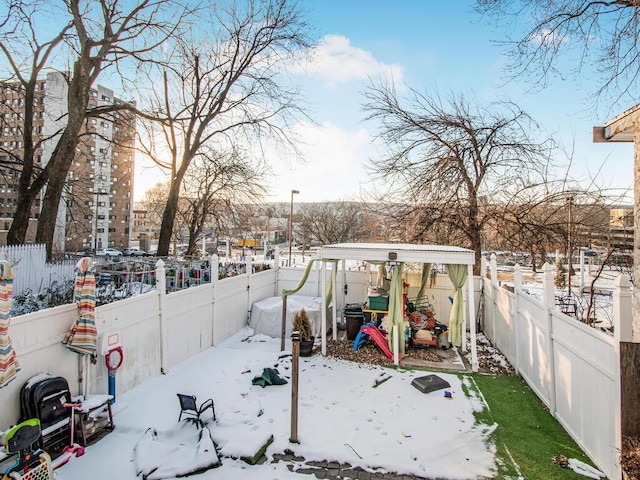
{"x": 458, "y": 275}
{"x": 395, "y": 315}
{"x": 305, "y": 276}
{"x": 426, "y": 271}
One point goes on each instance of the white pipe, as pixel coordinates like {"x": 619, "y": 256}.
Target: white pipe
{"x": 396, "y": 346}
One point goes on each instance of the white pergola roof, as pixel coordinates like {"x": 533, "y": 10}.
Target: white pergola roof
{"x": 400, "y": 252}
{"x": 379, "y": 252}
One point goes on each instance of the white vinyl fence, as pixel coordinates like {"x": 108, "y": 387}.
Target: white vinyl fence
{"x": 573, "y": 368}
{"x": 157, "y": 330}
{"x": 31, "y": 270}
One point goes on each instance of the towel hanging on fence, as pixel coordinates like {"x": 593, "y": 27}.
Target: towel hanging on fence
{"x": 9, "y": 365}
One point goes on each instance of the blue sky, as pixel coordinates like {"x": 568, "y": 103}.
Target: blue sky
{"x": 427, "y": 45}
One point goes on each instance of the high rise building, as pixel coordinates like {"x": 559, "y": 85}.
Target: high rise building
{"x": 97, "y": 207}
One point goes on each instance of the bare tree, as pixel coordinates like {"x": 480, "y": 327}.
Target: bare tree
{"x": 603, "y": 33}
{"x": 216, "y": 181}
{"x": 335, "y": 222}
{"x": 96, "y": 35}
{"x": 443, "y": 159}
{"x": 225, "y": 90}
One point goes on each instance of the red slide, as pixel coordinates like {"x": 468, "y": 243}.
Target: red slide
{"x": 377, "y": 337}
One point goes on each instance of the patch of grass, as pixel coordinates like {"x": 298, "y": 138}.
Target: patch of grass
{"x": 527, "y": 436}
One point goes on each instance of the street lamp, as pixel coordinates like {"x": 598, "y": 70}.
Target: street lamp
{"x": 291, "y": 223}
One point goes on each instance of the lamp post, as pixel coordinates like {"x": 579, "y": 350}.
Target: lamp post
{"x": 291, "y": 223}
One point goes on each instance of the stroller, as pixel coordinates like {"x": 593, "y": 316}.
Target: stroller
{"x": 30, "y": 464}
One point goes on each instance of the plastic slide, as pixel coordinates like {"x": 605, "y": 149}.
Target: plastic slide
{"x": 361, "y": 337}
{"x": 371, "y": 330}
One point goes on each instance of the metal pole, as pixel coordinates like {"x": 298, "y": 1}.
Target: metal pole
{"x": 295, "y": 339}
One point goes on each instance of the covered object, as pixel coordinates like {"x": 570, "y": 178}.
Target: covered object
{"x": 455, "y": 258}
{"x": 266, "y": 315}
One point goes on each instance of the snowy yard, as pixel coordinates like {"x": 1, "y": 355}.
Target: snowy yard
{"x": 343, "y": 417}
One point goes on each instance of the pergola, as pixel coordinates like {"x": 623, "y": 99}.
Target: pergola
{"x": 398, "y": 252}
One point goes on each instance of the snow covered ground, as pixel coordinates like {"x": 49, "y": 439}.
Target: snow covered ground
{"x": 343, "y": 417}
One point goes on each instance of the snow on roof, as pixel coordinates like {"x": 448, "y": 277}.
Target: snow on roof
{"x": 404, "y": 252}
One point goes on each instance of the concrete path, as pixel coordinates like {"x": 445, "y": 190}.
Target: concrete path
{"x": 335, "y": 470}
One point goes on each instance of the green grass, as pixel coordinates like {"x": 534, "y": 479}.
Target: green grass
{"x": 527, "y": 436}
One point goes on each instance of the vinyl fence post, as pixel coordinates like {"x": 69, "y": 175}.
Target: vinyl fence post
{"x": 276, "y": 266}
{"x": 249, "y": 269}
{"x": 622, "y": 309}
{"x": 517, "y": 290}
{"x": 625, "y": 368}
{"x": 214, "y": 266}
{"x": 493, "y": 267}
{"x": 161, "y": 287}
{"x": 550, "y": 304}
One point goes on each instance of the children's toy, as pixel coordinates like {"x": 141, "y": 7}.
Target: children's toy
{"x": 371, "y": 331}
{"x": 73, "y": 448}
{"x": 30, "y": 463}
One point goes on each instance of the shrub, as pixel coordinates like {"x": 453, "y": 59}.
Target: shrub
{"x": 302, "y": 324}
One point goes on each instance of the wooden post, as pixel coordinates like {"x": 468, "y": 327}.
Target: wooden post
{"x": 283, "y": 331}
{"x": 295, "y": 340}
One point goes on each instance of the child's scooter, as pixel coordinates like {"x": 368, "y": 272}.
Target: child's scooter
{"x": 30, "y": 464}
{"x": 73, "y": 448}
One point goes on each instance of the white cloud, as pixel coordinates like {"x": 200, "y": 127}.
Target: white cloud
{"x": 333, "y": 165}
{"x": 335, "y": 60}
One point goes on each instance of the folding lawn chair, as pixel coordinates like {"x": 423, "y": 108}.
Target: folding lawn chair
{"x": 189, "y": 406}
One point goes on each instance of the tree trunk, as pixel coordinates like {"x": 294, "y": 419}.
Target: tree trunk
{"x": 64, "y": 152}
{"x": 168, "y": 219}
{"x": 27, "y": 193}
{"x": 17, "y": 233}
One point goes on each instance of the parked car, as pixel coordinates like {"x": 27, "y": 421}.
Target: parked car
{"x": 134, "y": 252}
{"x": 109, "y": 252}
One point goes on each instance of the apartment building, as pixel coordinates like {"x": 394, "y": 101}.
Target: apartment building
{"x": 97, "y": 208}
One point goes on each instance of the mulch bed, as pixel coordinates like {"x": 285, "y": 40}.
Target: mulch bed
{"x": 490, "y": 360}
{"x": 630, "y": 456}
{"x": 371, "y": 354}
